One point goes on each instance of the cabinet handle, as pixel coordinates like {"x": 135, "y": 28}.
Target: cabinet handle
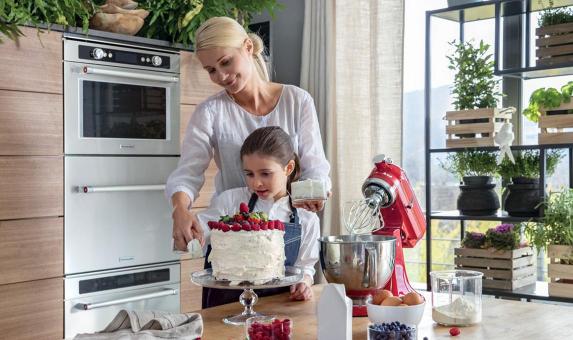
{"x": 87, "y": 189}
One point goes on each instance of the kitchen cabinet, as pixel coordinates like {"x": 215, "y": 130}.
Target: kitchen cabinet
{"x": 31, "y": 187}
{"x": 196, "y": 85}
{"x": 31, "y": 249}
{"x": 35, "y": 64}
{"x": 31, "y": 123}
{"x": 32, "y": 310}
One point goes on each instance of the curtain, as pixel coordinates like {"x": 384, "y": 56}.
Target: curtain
{"x": 352, "y": 66}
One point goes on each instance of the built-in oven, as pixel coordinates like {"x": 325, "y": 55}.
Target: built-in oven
{"x": 120, "y": 99}
{"x": 93, "y": 300}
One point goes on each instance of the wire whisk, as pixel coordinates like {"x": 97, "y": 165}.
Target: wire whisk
{"x": 362, "y": 216}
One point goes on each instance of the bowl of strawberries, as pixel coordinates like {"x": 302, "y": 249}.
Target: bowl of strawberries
{"x": 268, "y": 328}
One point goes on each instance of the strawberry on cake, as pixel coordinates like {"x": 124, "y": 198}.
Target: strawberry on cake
{"x": 247, "y": 247}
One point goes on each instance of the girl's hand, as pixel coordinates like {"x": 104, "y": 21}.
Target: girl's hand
{"x": 312, "y": 205}
{"x": 185, "y": 228}
{"x": 301, "y": 291}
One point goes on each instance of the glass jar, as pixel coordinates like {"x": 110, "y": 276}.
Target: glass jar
{"x": 268, "y": 327}
{"x": 456, "y": 297}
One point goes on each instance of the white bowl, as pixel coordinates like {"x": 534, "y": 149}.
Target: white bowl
{"x": 407, "y": 315}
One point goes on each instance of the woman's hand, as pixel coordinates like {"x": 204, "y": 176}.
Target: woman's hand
{"x": 302, "y": 291}
{"x": 312, "y": 205}
{"x": 185, "y": 228}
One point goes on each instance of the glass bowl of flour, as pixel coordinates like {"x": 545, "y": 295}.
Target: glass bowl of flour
{"x": 456, "y": 297}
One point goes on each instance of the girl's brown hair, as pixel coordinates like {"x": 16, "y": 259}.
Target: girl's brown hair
{"x": 274, "y": 142}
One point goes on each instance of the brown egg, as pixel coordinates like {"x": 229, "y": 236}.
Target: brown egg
{"x": 391, "y": 301}
{"x": 381, "y": 296}
{"x": 412, "y": 299}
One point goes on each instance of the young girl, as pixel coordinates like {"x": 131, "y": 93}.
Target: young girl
{"x": 270, "y": 165}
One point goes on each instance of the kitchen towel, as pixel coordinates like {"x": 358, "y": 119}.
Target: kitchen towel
{"x": 148, "y": 325}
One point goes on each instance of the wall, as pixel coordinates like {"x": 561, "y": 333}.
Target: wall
{"x": 286, "y": 41}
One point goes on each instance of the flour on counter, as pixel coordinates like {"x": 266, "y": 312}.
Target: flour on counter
{"x": 460, "y": 312}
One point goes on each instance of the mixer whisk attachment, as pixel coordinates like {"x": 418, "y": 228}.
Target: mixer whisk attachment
{"x": 362, "y": 216}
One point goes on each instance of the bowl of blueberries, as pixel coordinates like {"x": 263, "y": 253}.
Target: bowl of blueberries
{"x": 391, "y": 330}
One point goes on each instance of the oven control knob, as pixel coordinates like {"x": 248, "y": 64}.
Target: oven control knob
{"x": 98, "y": 53}
{"x": 156, "y": 60}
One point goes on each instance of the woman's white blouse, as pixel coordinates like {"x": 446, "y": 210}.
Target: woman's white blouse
{"x": 218, "y": 128}
{"x": 227, "y": 203}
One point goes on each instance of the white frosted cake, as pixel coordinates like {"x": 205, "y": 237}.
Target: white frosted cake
{"x": 247, "y": 247}
{"x": 310, "y": 189}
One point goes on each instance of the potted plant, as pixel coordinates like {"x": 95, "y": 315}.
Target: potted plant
{"x": 552, "y": 109}
{"x": 505, "y": 261}
{"x": 522, "y": 196}
{"x": 554, "y": 34}
{"x": 556, "y": 234}
{"x": 475, "y": 91}
{"x": 475, "y": 169}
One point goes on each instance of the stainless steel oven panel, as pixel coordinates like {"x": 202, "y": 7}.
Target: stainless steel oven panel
{"x": 87, "y": 313}
{"x": 74, "y": 143}
{"x": 115, "y": 212}
{"x": 71, "y": 48}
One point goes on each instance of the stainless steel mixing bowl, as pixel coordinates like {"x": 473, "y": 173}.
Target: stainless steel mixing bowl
{"x": 360, "y": 262}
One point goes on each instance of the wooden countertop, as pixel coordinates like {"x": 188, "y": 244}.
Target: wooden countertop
{"x": 501, "y": 319}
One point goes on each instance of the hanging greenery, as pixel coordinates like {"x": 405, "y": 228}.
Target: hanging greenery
{"x": 177, "y": 21}
{"x": 171, "y": 20}
{"x": 37, "y": 12}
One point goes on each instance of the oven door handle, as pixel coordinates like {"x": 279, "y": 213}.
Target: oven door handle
{"x": 88, "y": 189}
{"x": 161, "y": 293}
{"x": 133, "y": 75}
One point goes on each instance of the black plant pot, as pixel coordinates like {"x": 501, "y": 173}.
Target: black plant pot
{"x": 523, "y": 197}
{"x": 477, "y": 197}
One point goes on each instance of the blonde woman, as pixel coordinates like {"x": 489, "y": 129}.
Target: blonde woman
{"x": 223, "y": 121}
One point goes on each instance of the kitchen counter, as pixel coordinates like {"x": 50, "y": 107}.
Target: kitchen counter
{"x": 502, "y": 319}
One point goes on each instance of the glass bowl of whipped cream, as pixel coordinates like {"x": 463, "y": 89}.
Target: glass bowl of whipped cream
{"x": 456, "y": 297}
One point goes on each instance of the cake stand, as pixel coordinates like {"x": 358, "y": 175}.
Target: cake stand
{"x": 249, "y": 298}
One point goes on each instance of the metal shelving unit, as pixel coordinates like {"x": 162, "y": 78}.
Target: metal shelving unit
{"x": 497, "y": 10}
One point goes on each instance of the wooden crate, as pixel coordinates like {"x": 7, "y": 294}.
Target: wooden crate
{"x": 561, "y": 275}
{"x": 554, "y": 44}
{"x": 494, "y": 122}
{"x": 556, "y": 129}
{"x": 502, "y": 269}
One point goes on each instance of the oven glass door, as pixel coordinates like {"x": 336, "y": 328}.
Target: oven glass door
{"x": 114, "y": 110}
{"x": 110, "y": 110}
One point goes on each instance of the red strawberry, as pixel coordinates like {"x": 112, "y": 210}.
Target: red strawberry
{"x": 455, "y": 331}
{"x": 244, "y": 208}
{"x": 236, "y": 227}
{"x": 264, "y": 225}
{"x": 246, "y": 227}
{"x": 225, "y": 228}
{"x": 221, "y": 225}
{"x": 255, "y": 227}
{"x": 238, "y": 217}
{"x": 212, "y": 224}
{"x": 272, "y": 225}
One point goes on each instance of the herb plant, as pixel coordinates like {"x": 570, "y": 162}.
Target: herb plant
{"x": 502, "y": 237}
{"x": 557, "y": 225}
{"x": 475, "y": 85}
{"x": 471, "y": 163}
{"x": 554, "y": 16}
{"x": 473, "y": 240}
{"x": 527, "y": 164}
{"x": 547, "y": 98}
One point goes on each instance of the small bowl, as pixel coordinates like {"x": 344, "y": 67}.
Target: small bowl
{"x": 408, "y": 315}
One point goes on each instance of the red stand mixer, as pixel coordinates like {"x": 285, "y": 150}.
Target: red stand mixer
{"x": 389, "y": 198}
